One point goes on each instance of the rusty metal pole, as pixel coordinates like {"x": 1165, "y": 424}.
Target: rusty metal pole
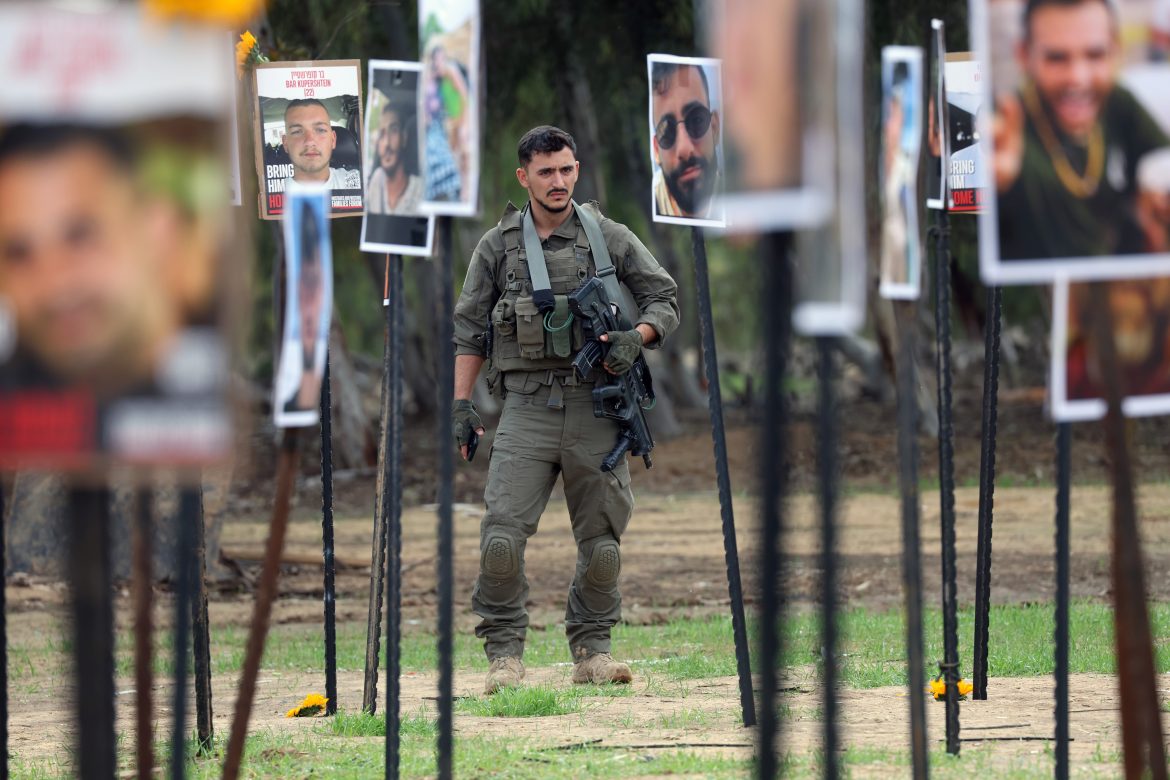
{"x": 1141, "y": 717}
{"x": 266, "y": 591}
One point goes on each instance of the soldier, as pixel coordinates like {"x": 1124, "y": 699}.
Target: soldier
{"x": 548, "y": 426}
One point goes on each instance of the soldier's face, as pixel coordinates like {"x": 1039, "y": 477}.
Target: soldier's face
{"x": 1071, "y": 56}
{"x": 309, "y": 139}
{"x": 688, "y": 161}
{"x": 390, "y": 141}
{"x": 550, "y": 178}
{"x": 81, "y": 263}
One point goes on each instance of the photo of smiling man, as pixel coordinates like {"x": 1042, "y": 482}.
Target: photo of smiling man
{"x": 308, "y": 130}
{"x": 1081, "y": 142}
{"x": 685, "y": 142}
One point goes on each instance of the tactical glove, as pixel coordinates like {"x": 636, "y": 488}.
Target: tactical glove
{"x": 466, "y": 424}
{"x": 624, "y": 348}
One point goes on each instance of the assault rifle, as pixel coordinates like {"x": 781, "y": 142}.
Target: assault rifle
{"x": 623, "y": 398}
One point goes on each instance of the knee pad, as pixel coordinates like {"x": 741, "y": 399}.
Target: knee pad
{"x": 605, "y": 563}
{"x": 500, "y": 558}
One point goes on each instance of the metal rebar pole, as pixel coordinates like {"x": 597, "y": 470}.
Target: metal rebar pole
{"x": 93, "y": 631}
{"x": 723, "y": 478}
{"x": 330, "y": 589}
{"x": 201, "y": 638}
{"x": 393, "y": 513}
{"x": 445, "y": 351}
{"x": 266, "y": 591}
{"x": 143, "y": 575}
{"x": 776, "y": 303}
{"x": 1063, "y": 480}
{"x": 986, "y": 492}
{"x": 378, "y": 540}
{"x": 949, "y": 668}
{"x": 189, "y": 517}
{"x": 827, "y": 490}
{"x": 911, "y": 545}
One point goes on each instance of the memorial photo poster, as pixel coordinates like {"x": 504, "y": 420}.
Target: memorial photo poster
{"x": 968, "y": 170}
{"x": 393, "y": 222}
{"x": 124, "y": 360}
{"x": 777, "y": 123}
{"x": 308, "y": 128}
{"x": 902, "y": 104}
{"x": 937, "y": 127}
{"x": 308, "y": 306}
{"x": 1080, "y": 94}
{"x": 686, "y": 142}
{"x": 448, "y": 105}
{"x": 1139, "y": 310}
{"x": 830, "y": 265}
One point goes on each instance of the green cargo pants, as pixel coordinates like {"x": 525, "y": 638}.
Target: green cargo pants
{"x": 533, "y": 444}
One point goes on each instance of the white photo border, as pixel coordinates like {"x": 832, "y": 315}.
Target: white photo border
{"x": 942, "y": 114}
{"x": 373, "y": 246}
{"x": 911, "y": 290}
{"x": 995, "y": 271}
{"x": 847, "y": 314}
{"x": 470, "y": 208}
{"x": 717, "y": 203}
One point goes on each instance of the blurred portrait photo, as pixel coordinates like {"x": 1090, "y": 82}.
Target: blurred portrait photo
{"x": 394, "y": 221}
{"x": 937, "y": 131}
{"x": 1139, "y": 310}
{"x": 449, "y": 105}
{"x": 114, "y": 234}
{"x": 900, "y": 251}
{"x": 686, "y": 153}
{"x": 776, "y": 118}
{"x": 1081, "y": 138}
{"x": 308, "y": 307}
{"x": 308, "y": 130}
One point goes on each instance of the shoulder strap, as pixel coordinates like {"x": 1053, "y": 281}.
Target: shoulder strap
{"x": 542, "y": 294}
{"x": 597, "y": 247}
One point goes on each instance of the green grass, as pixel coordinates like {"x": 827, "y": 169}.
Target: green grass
{"x": 321, "y": 754}
{"x": 872, "y": 652}
{"x": 529, "y": 701}
{"x": 669, "y": 660}
{"x": 362, "y": 724}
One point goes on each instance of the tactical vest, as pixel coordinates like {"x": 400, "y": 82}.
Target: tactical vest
{"x": 524, "y": 339}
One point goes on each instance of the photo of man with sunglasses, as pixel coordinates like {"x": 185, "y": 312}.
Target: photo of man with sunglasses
{"x": 685, "y": 139}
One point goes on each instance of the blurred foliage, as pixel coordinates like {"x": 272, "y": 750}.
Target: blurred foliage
{"x": 581, "y": 66}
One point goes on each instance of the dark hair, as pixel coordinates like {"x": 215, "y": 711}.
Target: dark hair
{"x": 1032, "y": 6}
{"x": 901, "y": 73}
{"x": 301, "y": 103}
{"x": 662, "y": 72}
{"x": 405, "y": 112}
{"x": 545, "y": 139}
{"x": 29, "y": 140}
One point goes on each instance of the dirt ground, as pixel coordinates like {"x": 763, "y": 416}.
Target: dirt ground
{"x": 673, "y": 566}
{"x": 1014, "y": 725}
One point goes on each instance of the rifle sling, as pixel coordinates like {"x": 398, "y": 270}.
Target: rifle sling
{"x": 542, "y": 294}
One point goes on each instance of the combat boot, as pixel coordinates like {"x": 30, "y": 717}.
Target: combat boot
{"x": 504, "y": 672}
{"x": 601, "y": 668}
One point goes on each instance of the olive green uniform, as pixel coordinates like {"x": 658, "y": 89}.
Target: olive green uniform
{"x": 548, "y": 427}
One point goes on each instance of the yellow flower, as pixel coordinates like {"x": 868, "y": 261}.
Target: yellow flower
{"x": 938, "y": 688}
{"x": 230, "y": 13}
{"x": 313, "y": 704}
{"x": 247, "y": 50}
